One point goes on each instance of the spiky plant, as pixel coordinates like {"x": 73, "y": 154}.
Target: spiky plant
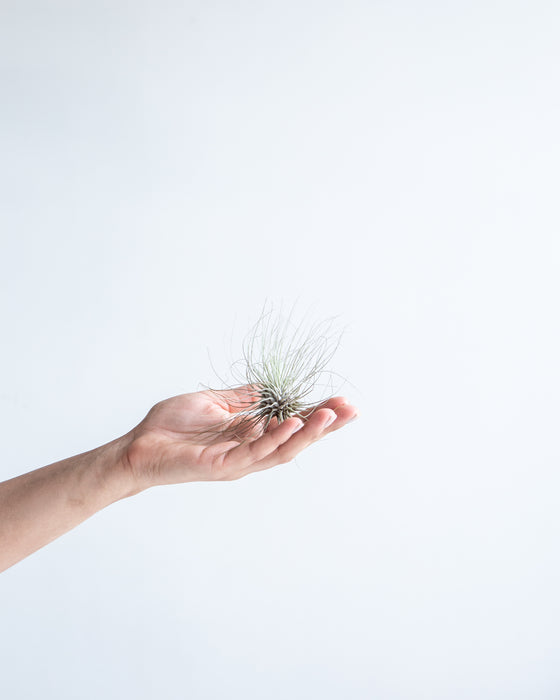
{"x": 280, "y": 374}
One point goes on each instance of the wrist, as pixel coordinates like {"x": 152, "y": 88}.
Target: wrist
{"x": 134, "y": 454}
{"x": 114, "y": 470}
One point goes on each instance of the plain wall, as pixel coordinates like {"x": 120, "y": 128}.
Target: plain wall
{"x": 165, "y": 168}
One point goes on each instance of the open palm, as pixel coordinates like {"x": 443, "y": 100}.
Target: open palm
{"x": 168, "y": 446}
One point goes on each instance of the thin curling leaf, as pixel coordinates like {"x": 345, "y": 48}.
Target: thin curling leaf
{"x": 282, "y": 370}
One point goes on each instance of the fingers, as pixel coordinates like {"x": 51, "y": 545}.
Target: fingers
{"x": 321, "y": 422}
{"x": 314, "y": 429}
{"x": 334, "y": 402}
{"x": 344, "y": 414}
{"x": 285, "y": 441}
{"x": 251, "y": 452}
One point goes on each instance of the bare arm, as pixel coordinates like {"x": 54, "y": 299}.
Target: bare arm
{"x": 38, "y": 507}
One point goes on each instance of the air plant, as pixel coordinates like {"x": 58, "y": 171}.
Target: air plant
{"x": 280, "y": 374}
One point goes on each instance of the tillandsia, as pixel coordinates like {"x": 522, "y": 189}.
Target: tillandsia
{"x": 281, "y": 373}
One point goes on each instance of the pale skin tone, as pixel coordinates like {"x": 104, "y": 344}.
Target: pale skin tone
{"x": 38, "y": 507}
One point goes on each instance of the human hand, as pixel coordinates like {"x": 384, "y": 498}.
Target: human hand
{"x": 167, "y": 447}
{"x": 171, "y": 445}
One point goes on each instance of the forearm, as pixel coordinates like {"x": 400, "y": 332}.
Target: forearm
{"x": 38, "y": 507}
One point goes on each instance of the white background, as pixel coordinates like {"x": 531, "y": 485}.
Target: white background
{"x": 167, "y": 166}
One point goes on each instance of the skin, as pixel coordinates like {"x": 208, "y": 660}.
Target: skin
{"x": 38, "y": 507}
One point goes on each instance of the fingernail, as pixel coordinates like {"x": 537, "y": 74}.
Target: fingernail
{"x": 298, "y": 426}
{"x": 331, "y": 420}
{"x": 354, "y": 418}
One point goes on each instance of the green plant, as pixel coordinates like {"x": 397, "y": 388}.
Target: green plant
{"x": 281, "y": 373}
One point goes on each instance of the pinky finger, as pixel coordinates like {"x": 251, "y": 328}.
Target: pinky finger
{"x": 244, "y": 455}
